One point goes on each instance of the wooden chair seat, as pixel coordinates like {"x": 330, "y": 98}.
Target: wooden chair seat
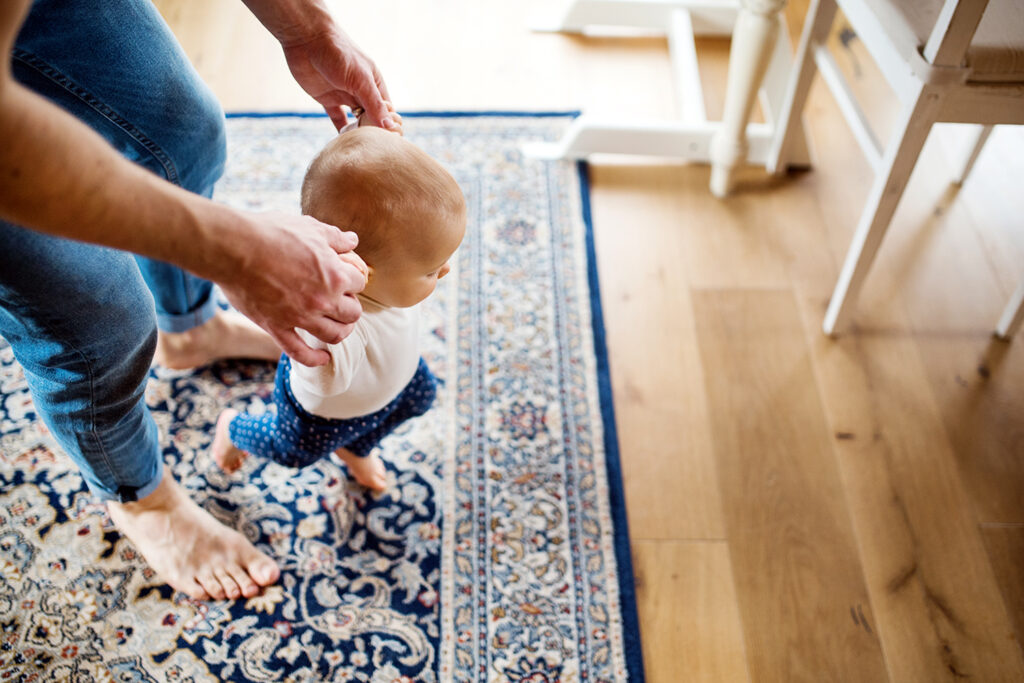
{"x": 995, "y": 54}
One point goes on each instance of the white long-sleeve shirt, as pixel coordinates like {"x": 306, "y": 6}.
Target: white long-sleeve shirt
{"x": 368, "y": 368}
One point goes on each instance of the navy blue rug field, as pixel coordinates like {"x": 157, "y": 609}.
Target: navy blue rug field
{"x": 500, "y": 551}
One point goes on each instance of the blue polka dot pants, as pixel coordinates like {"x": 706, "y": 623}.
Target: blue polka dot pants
{"x": 296, "y": 438}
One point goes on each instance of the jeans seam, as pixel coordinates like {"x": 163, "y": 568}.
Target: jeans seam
{"x": 104, "y": 110}
{"x": 186, "y": 285}
{"x": 92, "y": 402}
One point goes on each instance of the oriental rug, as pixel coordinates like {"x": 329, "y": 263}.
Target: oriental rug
{"x": 500, "y": 552}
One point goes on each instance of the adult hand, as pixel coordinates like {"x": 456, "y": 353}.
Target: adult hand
{"x": 295, "y": 271}
{"x": 337, "y": 74}
{"x": 324, "y": 60}
{"x": 363, "y": 119}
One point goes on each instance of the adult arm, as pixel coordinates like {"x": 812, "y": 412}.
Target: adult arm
{"x": 60, "y": 177}
{"x": 324, "y": 60}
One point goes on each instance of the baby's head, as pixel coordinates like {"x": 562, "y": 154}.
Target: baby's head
{"x": 407, "y": 210}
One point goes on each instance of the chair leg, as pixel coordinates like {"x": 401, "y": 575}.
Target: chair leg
{"x": 757, "y": 28}
{"x": 897, "y": 165}
{"x": 1012, "y": 316}
{"x": 980, "y": 138}
{"x": 818, "y": 23}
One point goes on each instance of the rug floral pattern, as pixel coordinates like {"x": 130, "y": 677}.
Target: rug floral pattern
{"x": 491, "y": 558}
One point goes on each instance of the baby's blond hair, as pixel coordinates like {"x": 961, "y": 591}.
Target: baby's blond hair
{"x": 380, "y": 186}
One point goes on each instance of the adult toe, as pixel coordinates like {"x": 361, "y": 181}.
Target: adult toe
{"x": 262, "y": 569}
{"x": 228, "y": 583}
{"x": 211, "y": 585}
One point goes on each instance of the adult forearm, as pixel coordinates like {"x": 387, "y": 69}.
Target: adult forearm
{"x": 293, "y": 22}
{"x": 60, "y": 177}
{"x": 325, "y": 61}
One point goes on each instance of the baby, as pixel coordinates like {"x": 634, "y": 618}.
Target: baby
{"x": 410, "y": 216}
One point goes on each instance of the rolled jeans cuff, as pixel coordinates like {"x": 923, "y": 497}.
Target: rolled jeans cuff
{"x": 121, "y": 461}
{"x": 128, "y": 494}
{"x": 182, "y": 322}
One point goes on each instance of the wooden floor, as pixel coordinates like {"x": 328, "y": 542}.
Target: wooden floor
{"x": 801, "y": 509}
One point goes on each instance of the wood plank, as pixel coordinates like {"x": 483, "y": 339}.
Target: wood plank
{"x": 959, "y": 284}
{"x": 936, "y": 257}
{"x": 992, "y": 198}
{"x": 662, "y": 422}
{"x": 805, "y": 608}
{"x": 935, "y": 598}
{"x": 876, "y": 97}
{"x": 939, "y": 610}
{"x": 938, "y": 607}
{"x": 687, "y": 604}
{"x": 1005, "y": 545}
{"x": 240, "y": 61}
{"x": 727, "y": 245}
{"x": 976, "y": 380}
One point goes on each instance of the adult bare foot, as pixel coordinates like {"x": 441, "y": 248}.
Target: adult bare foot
{"x": 229, "y": 334}
{"x": 227, "y": 457}
{"x": 189, "y": 549}
{"x": 368, "y": 471}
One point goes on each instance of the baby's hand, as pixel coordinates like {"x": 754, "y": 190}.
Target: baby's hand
{"x": 395, "y": 116}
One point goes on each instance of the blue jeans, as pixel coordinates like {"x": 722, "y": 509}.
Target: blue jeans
{"x": 82, "y": 319}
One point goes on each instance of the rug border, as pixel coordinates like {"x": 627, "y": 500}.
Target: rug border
{"x": 631, "y": 639}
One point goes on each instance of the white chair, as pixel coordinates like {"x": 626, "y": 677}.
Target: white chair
{"x": 759, "y": 65}
{"x": 953, "y": 61}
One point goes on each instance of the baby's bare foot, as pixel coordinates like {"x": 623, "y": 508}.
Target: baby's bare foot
{"x": 189, "y": 549}
{"x": 227, "y": 457}
{"x": 368, "y": 471}
{"x": 229, "y": 334}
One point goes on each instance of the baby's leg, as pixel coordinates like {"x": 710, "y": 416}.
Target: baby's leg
{"x": 362, "y": 461}
{"x": 284, "y": 437}
{"x": 227, "y": 456}
{"x": 240, "y": 435}
{"x": 369, "y": 471}
{"x": 414, "y": 400}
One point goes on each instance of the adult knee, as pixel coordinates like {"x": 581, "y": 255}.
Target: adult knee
{"x": 198, "y": 144}
{"x": 183, "y": 131}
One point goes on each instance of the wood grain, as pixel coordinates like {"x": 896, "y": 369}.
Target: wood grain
{"x": 685, "y": 591}
{"x": 805, "y": 608}
{"x": 662, "y": 421}
{"x": 1005, "y": 544}
{"x": 975, "y": 379}
{"x": 935, "y": 598}
{"x": 939, "y": 610}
